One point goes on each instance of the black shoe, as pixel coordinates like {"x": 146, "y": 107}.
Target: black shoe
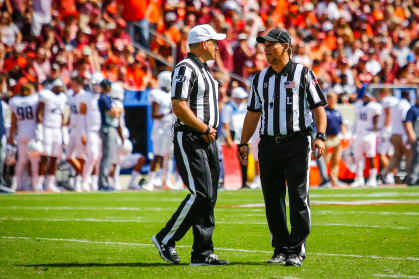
{"x": 294, "y": 260}
{"x": 167, "y": 253}
{"x": 106, "y": 189}
{"x": 211, "y": 260}
{"x": 245, "y": 187}
{"x": 325, "y": 184}
{"x": 278, "y": 259}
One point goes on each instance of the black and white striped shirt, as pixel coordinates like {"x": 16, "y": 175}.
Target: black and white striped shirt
{"x": 285, "y": 99}
{"x": 192, "y": 82}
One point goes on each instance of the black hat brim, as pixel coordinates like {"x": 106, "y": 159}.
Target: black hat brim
{"x": 262, "y": 39}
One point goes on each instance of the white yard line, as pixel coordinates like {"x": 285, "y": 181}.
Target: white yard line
{"x": 394, "y": 276}
{"x": 365, "y": 212}
{"x": 221, "y": 222}
{"x": 222, "y": 249}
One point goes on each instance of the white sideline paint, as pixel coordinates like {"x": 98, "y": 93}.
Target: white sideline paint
{"x": 395, "y": 275}
{"x": 226, "y": 223}
{"x": 222, "y": 249}
{"x": 364, "y": 212}
{"x": 356, "y": 202}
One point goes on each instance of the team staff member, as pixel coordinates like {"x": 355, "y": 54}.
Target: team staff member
{"x": 195, "y": 105}
{"x": 412, "y": 129}
{"x": 284, "y": 95}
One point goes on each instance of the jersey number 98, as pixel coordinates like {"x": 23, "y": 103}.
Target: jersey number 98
{"x": 25, "y": 113}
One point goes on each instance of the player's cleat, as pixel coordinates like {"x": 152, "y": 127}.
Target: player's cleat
{"x": 211, "y": 260}
{"x": 168, "y": 185}
{"x": 294, "y": 260}
{"x": 53, "y": 188}
{"x": 148, "y": 186}
{"x": 5, "y": 190}
{"x": 256, "y": 184}
{"x": 325, "y": 184}
{"x": 359, "y": 182}
{"x": 85, "y": 187}
{"x": 278, "y": 259}
{"x": 167, "y": 253}
{"x": 372, "y": 183}
{"x": 106, "y": 189}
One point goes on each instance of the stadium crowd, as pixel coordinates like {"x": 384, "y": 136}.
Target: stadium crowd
{"x": 348, "y": 44}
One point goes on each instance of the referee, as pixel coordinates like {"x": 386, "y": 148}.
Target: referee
{"x": 284, "y": 95}
{"x": 195, "y": 104}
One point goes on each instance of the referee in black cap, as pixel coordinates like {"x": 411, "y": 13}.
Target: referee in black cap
{"x": 283, "y": 96}
{"x": 195, "y": 104}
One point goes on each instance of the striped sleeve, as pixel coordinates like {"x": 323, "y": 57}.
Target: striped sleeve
{"x": 315, "y": 96}
{"x": 253, "y": 103}
{"x": 182, "y": 83}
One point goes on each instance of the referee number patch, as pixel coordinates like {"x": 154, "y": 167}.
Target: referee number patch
{"x": 180, "y": 78}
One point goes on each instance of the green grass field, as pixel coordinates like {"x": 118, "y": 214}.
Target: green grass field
{"x": 108, "y": 235}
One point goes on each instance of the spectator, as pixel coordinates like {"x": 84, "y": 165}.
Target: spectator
{"x": 120, "y": 38}
{"x": 42, "y": 64}
{"x": 10, "y": 33}
{"x": 301, "y": 56}
{"x": 111, "y": 70}
{"x": 224, "y": 54}
{"x": 41, "y": 16}
{"x": 182, "y": 46}
{"x": 362, "y": 76}
{"x": 65, "y": 72}
{"x": 134, "y": 12}
{"x": 354, "y": 53}
{"x": 50, "y": 39}
{"x": 29, "y": 71}
{"x": 100, "y": 41}
{"x": 241, "y": 54}
{"x": 334, "y": 127}
{"x": 137, "y": 74}
{"x": 372, "y": 66}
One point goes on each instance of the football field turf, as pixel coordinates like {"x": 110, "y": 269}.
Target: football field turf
{"x": 356, "y": 233}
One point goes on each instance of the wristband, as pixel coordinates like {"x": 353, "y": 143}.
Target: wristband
{"x": 207, "y": 132}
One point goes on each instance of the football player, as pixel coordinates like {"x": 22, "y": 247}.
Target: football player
{"x": 50, "y": 130}
{"x": 75, "y": 149}
{"x": 24, "y": 107}
{"x": 367, "y": 113}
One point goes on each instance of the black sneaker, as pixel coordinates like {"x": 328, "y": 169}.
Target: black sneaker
{"x": 294, "y": 260}
{"x": 278, "y": 259}
{"x": 167, "y": 253}
{"x": 211, "y": 260}
{"x": 325, "y": 184}
{"x": 106, "y": 189}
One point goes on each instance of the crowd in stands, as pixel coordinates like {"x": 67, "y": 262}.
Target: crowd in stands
{"x": 347, "y": 43}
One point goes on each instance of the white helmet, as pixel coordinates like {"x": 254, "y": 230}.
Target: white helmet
{"x": 96, "y": 79}
{"x": 10, "y": 159}
{"x": 34, "y": 149}
{"x": 125, "y": 132}
{"x": 165, "y": 80}
{"x": 117, "y": 91}
{"x": 126, "y": 147}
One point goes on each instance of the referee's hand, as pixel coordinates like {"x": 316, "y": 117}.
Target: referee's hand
{"x": 211, "y": 136}
{"x": 320, "y": 146}
{"x": 243, "y": 158}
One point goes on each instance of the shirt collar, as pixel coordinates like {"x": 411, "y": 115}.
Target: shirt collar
{"x": 284, "y": 71}
{"x": 197, "y": 61}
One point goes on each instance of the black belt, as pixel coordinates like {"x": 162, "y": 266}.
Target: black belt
{"x": 191, "y": 130}
{"x": 288, "y": 137}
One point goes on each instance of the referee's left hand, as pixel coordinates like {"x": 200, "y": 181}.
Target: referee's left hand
{"x": 319, "y": 144}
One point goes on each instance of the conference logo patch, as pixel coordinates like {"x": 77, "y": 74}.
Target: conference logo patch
{"x": 314, "y": 82}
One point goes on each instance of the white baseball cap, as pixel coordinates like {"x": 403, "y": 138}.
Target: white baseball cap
{"x": 202, "y": 33}
{"x": 239, "y": 92}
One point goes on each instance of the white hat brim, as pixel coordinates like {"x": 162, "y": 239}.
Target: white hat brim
{"x": 219, "y": 37}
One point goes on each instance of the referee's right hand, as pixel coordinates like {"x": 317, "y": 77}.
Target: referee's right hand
{"x": 211, "y": 136}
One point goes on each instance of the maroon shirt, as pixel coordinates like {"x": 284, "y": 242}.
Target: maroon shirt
{"x": 226, "y": 53}
{"x": 120, "y": 42}
{"x": 101, "y": 46}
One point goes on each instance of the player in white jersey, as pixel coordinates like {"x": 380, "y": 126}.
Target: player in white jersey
{"x": 24, "y": 107}
{"x": 161, "y": 135}
{"x": 75, "y": 149}
{"x": 50, "y": 126}
{"x": 367, "y": 113}
{"x": 385, "y": 148}
{"x": 90, "y": 126}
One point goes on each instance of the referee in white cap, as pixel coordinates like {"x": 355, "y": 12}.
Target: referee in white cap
{"x": 195, "y": 104}
{"x": 283, "y": 96}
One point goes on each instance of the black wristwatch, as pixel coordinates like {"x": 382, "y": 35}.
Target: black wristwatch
{"x": 321, "y": 136}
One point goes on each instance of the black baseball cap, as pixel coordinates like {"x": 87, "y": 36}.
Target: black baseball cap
{"x": 275, "y": 35}
{"x": 106, "y": 83}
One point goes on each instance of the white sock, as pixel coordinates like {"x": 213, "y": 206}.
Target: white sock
{"x": 373, "y": 174}
{"x": 117, "y": 184}
{"x": 133, "y": 177}
{"x": 50, "y": 181}
{"x": 78, "y": 181}
{"x": 40, "y": 184}
{"x": 95, "y": 181}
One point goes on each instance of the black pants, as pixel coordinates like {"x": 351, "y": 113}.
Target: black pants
{"x": 199, "y": 168}
{"x": 281, "y": 164}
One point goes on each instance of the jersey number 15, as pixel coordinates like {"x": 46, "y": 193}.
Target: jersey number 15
{"x": 25, "y": 113}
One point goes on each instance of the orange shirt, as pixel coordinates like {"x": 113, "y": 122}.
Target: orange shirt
{"x": 111, "y": 75}
{"x": 155, "y": 12}
{"x": 330, "y": 42}
{"x": 11, "y": 62}
{"x": 133, "y": 10}
{"x": 138, "y": 76}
